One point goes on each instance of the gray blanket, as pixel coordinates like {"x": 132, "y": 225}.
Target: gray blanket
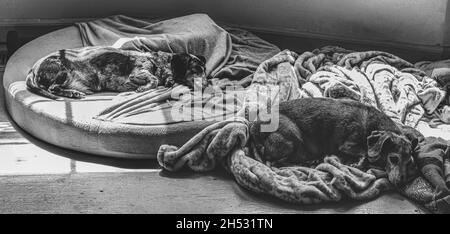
{"x": 231, "y": 53}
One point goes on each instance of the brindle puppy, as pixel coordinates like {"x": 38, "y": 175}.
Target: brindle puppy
{"x": 312, "y": 128}
{"x": 77, "y": 72}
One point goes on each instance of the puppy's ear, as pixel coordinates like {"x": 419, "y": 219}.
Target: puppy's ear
{"x": 415, "y": 143}
{"x": 33, "y": 84}
{"x": 376, "y": 143}
{"x": 201, "y": 58}
{"x": 62, "y": 57}
{"x": 179, "y": 65}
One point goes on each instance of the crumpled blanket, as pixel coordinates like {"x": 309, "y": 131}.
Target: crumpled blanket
{"x": 375, "y": 78}
{"x": 225, "y": 144}
{"x": 440, "y": 72}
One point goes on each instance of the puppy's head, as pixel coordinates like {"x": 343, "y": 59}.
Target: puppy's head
{"x": 189, "y": 70}
{"x": 395, "y": 153}
{"x": 52, "y": 74}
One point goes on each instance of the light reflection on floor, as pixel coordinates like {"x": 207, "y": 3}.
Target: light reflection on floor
{"x": 20, "y": 157}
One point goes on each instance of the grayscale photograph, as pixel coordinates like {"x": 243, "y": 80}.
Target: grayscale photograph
{"x": 225, "y": 107}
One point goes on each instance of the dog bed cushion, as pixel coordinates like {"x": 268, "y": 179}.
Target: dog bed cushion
{"x": 71, "y": 124}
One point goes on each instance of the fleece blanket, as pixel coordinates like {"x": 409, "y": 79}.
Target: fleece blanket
{"x": 439, "y": 71}
{"x": 375, "y": 78}
{"x": 232, "y": 57}
{"x": 226, "y": 144}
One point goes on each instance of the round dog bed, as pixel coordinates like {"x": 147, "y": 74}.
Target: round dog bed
{"x": 70, "y": 123}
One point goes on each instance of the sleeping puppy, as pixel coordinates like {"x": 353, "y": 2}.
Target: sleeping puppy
{"x": 76, "y": 72}
{"x": 312, "y": 128}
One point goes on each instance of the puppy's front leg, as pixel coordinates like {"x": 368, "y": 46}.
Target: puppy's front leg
{"x": 144, "y": 79}
{"x": 169, "y": 82}
{"x": 354, "y": 152}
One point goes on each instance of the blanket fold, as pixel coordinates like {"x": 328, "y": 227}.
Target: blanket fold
{"x": 440, "y": 72}
{"x": 232, "y": 56}
{"x": 375, "y": 78}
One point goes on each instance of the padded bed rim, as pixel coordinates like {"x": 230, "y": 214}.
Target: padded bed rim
{"x": 97, "y": 137}
{"x": 97, "y": 142}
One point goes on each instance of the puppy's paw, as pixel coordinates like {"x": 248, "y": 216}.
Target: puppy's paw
{"x": 77, "y": 94}
{"x": 143, "y": 88}
{"x": 169, "y": 83}
{"x": 441, "y": 191}
{"x": 88, "y": 92}
{"x": 70, "y": 94}
{"x": 141, "y": 77}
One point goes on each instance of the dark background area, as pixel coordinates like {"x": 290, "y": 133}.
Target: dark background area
{"x": 415, "y": 30}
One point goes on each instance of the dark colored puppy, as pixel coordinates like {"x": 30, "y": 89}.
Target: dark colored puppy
{"x": 312, "y": 128}
{"x": 77, "y": 72}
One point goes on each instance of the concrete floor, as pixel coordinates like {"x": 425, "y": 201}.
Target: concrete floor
{"x": 38, "y": 178}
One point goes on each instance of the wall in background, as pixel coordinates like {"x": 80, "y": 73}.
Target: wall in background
{"x": 418, "y": 23}
{"x": 415, "y": 21}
